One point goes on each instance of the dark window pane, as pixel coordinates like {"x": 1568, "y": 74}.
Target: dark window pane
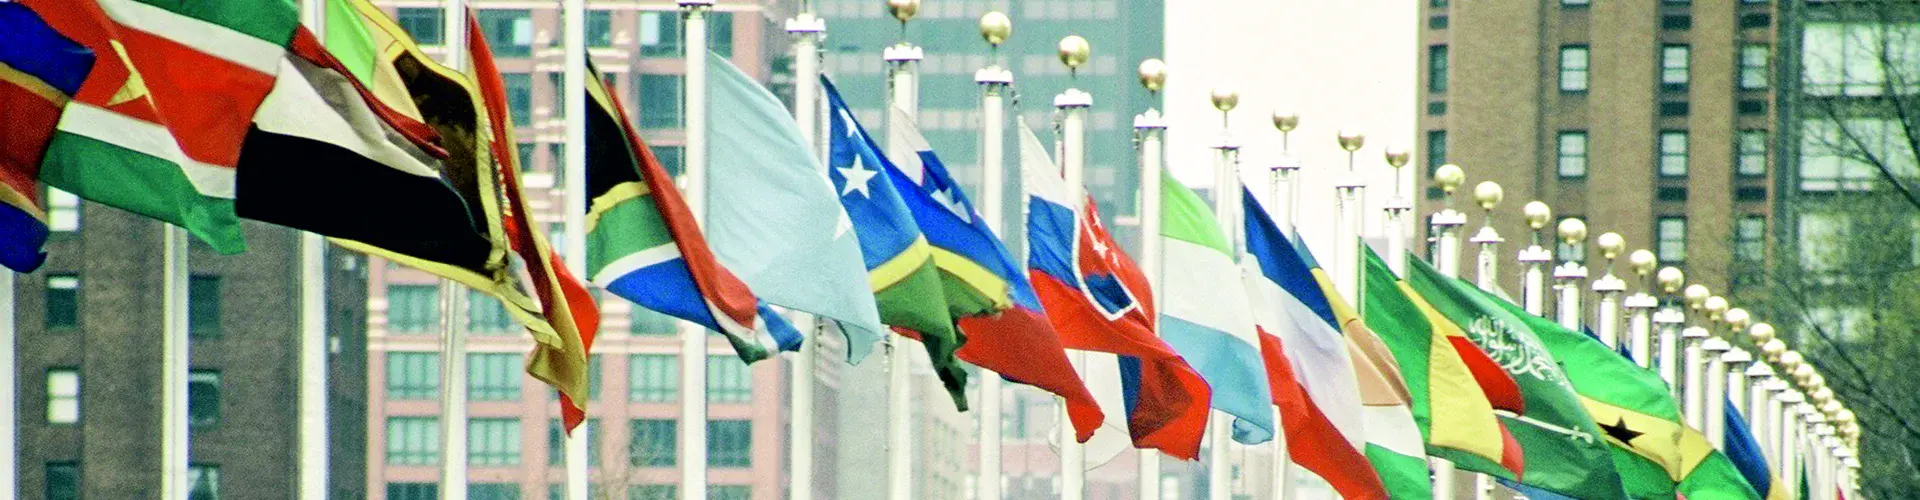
{"x": 1750, "y": 194}
{"x": 424, "y": 23}
{"x": 1437, "y": 22}
{"x": 653, "y": 492}
{"x": 730, "y": 492}
{"x": 1436, "y": 150}
{"x": 413, "y": 375}
{"x": 1753, "y": 107}
{"x": 1673, "y": 108}
{"x": 203, "y": 306}
{"x": 203, "y": 397}
{"x": 485, "y": 315}
{"x": 413, "y": 308}
{"x": 493, "y": 491}
{"x": 203, "y": 482}
{"x": 720, "y": 33}
{"x": 1436, "y": 108}
{"x": 1672, "y": 194}
{"x": 1756, "y": 20}
{"x": 660, "y": 34}
{"x": 660, "y": 101}
{"x": 1676, "y": 22}
{"x": 63, "y": 301}
{"x": 519, "y": 97}
{"x": 509, "y": 32}
{"x": 730, "y": 443}
{"x": 1437, "y": 68}
{"x": 653, "y": 442}
{"x": 599, "y": 28}
{"x": 413, "y": 491}
{"x": 63, "y": 481}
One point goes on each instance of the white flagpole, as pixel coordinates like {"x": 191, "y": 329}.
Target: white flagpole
{"x": 995, "y": 27}
{"x": 1150, "y": 128}
{"x": 314, "y": 470}
{"x": 1284, "y": 178}
{"x": 1760, "y": 406}
{"x": 1692, "y": 391}
{"x": 1666, "y": 323}
{"x": 1486, "y": 263}
{"x": 578, "y": 447}
{"x": 693, "y": 338}
{"x": 1348, "y": 216}
{"x": 1072, "y": 105}
{"x": 1534, "y": 260}
{"x": 1573, "y": 231}
{"x": 175, "y": 360}
{"x": 806, "y": 31}
{"x": 1713, "y": 400}
{"x": 1226, "y": 197}
{"x": 1737, "y": 360}
{"x": 1447, "y": 222}
{"x": 904, "y": 94}
{"x": 453, "y": 334}
{"x": 1640, "y": 308}
{"x": 1609, "y": 287}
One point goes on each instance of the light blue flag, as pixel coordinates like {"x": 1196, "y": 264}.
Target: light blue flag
{"x": 772, "y": 215}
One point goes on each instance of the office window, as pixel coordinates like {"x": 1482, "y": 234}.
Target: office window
{"x": 1572, "y": 149}
{"x": 1752, "y": 154}
{"x": 729, "y": 492}
{"x": 1674, "y": 63}
{"x": 1822, "y": 241}
{"x": 203, "y": 482}
{"x": 1437, "y": 68}
{"x": 519, "y": 97}
{"x": 720, "y": 33}
{"x": 63, "y": 395}
{"x": 1755, "y": 64}
{"x": 524, "y": 153}
{"x": 653, "y": 443}
{"x": 728, "y": 380}
{"x": 493, "y": 491}
{"x": 509, "y": 31}
{"x": 493, "y": 377}
{"x": 1670, "y": 239}
{"x": 655, "y": 492}
{"x": 63, "y": 210}
{"x": 63, "y": 301}
{"x": 1673, "y": 109}
{"x": 486, "y": 315}
{"x": 653, "y": 378}
{"x": 413, "y": 375}
{"x": 643, "y": 321}
{"x": 1436, "y": 150}
{"x": 672, "y": 158}
{"x": 423, "y": 23}
{"x": 1750, "y": 238}
{"x": 413, "y": 308}
{"x": 1676, "y": 22}
{"x": 599, "y": 28}
{"x": 1673, "y": 153}
{"x": 63, "y": 481}
{"x": 729, "y": 443}
{"x": 493, "y": 441}
{"x": 1573, "y": 68}
{"x": 660, "y": 101}
{"x": 593, "y": 377}
{"x": 413, "y": 440}
{"x": 203, "y": 397}
{"x": 203, "y": 306}
{"x": 660, "y": 34}
{"x": 413, "y": 491}
{"x": 557, "y": 441}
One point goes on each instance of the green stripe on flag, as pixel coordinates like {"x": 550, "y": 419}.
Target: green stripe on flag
{"x": 1186, "y": 217}
{"x": 122, "y": 178}
{"x": 1404, "y": 476}
{"x": 269, "y": 20}
{"x": 349, "y": 41}
{"x": 633, "y": 226}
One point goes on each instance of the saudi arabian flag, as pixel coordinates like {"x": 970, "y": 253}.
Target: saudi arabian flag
{"x": 1651, "y": 448}
{"x": 1565, "y": 452}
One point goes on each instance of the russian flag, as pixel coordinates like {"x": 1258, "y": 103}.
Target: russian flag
{"x": 1100, "y": 303}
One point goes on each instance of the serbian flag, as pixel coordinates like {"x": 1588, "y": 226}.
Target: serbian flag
{"x": 1099, "y": 302}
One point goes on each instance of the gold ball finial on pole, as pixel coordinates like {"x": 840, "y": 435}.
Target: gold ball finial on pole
{"x": 1762, "y": 333}
{"x": 995, "y": 27}
{"x": 1716, "y": 307}
{"x": 1642, "y": 262}
{"x": 1538, "y": 214}
{"x": 903, "y": 10}
{"x": 1074, "y": 52}
{"x": 1790, "y": 360}
{"x": 1449, "y": 177}
{"x": 1671, "y": 279}
{"x": 1397, "y": 155}
{"x": 1487, "y": 194}
{"x": 1611, "y": 244}
{"x": 1802, "y": 373}
{"x": 1696, "y": 295}
{"x": 1351, "y": 140}
{"x": 1153, "y": 75}
{"x": 1737, "y": 319}
{"x": 1773, "y": 350}
{"x": 1225, "y": 98}
{"x": 1286, "y": 119}
{"x": 1572, "y": 230}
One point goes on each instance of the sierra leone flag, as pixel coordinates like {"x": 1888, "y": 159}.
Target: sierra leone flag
{"x": 1205, "y": 315}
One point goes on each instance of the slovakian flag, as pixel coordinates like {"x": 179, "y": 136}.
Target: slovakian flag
{"x": 40, "y": 70}
{"x": 1100, "y": 303}
{"x": 1301, "y": 347}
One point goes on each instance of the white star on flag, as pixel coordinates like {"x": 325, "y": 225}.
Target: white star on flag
{"x": 946, "y": 199}
{"x": 857, "y": 177}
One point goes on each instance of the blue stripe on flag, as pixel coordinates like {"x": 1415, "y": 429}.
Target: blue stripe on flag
{"x": 783, "y": 333}
{"x": 22, "y": 250}
{"x": 1050, "y": 231}
{"x": 1281, "y": 262}
{"x": 29, "y": 45}
{"x": 667, "y": 288}
{"x": 1745, "y": 452}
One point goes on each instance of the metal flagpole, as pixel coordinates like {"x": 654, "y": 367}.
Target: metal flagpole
{"x": 995, "y": 27}
{"x": 175, "y": 360}
{"x": 1072, "y": 105}
{"x": 903, "y": 94}
{"x": 1788, "y": 440}
{"x": 313, "y": 333}
{"x": 1737, "y": 360}
{"x": 1573, "y": 232}
{"x": 1693, "y": 361}
{"x": 1149, "y": 128}
{"x": 1447, "y": 222}
{"x": 693, "y": 338}
{"x": 1534, "y": 260}
{"x": 1286, "y": 173}
{"x": 1486, "y": 264}
{"x": 1609, "y": 287}
{"x": 1640, "y": 307}
{"x": 453, "y": 334}
{"x": 574, "y": 82}
{"x": 1714, "y": 397}
{"x": 1667, "y": 323}
{"x": 806, "y": 30}
{"x": 1352, "y": 192}
{"x": 1226, "y": 192}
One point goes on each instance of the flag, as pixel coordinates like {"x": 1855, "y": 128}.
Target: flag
{"x": 40, "y": 70}
{"x": 564, "y": 299}
{"x": 1099, "y": 302}
{"x": 773, "y": 217}
{"x": 424, "y": 187}
{"x": 156, "y": 127}
{"x": 1393, "y": 439}
{"x": 1444, "y": 372}
{"x": 644, "y": 246}
{"x": 1309, "y": 369}
{"x": 1566, "y": 451}
{"x": 899, "y": 261}
{"x": 1654, "y": 452}
{"x": 1204, "y": 312}
{"x": 1745, "y": 453}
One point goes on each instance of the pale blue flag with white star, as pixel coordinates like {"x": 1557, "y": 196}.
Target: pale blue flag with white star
{"x": 773, "y": 218}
